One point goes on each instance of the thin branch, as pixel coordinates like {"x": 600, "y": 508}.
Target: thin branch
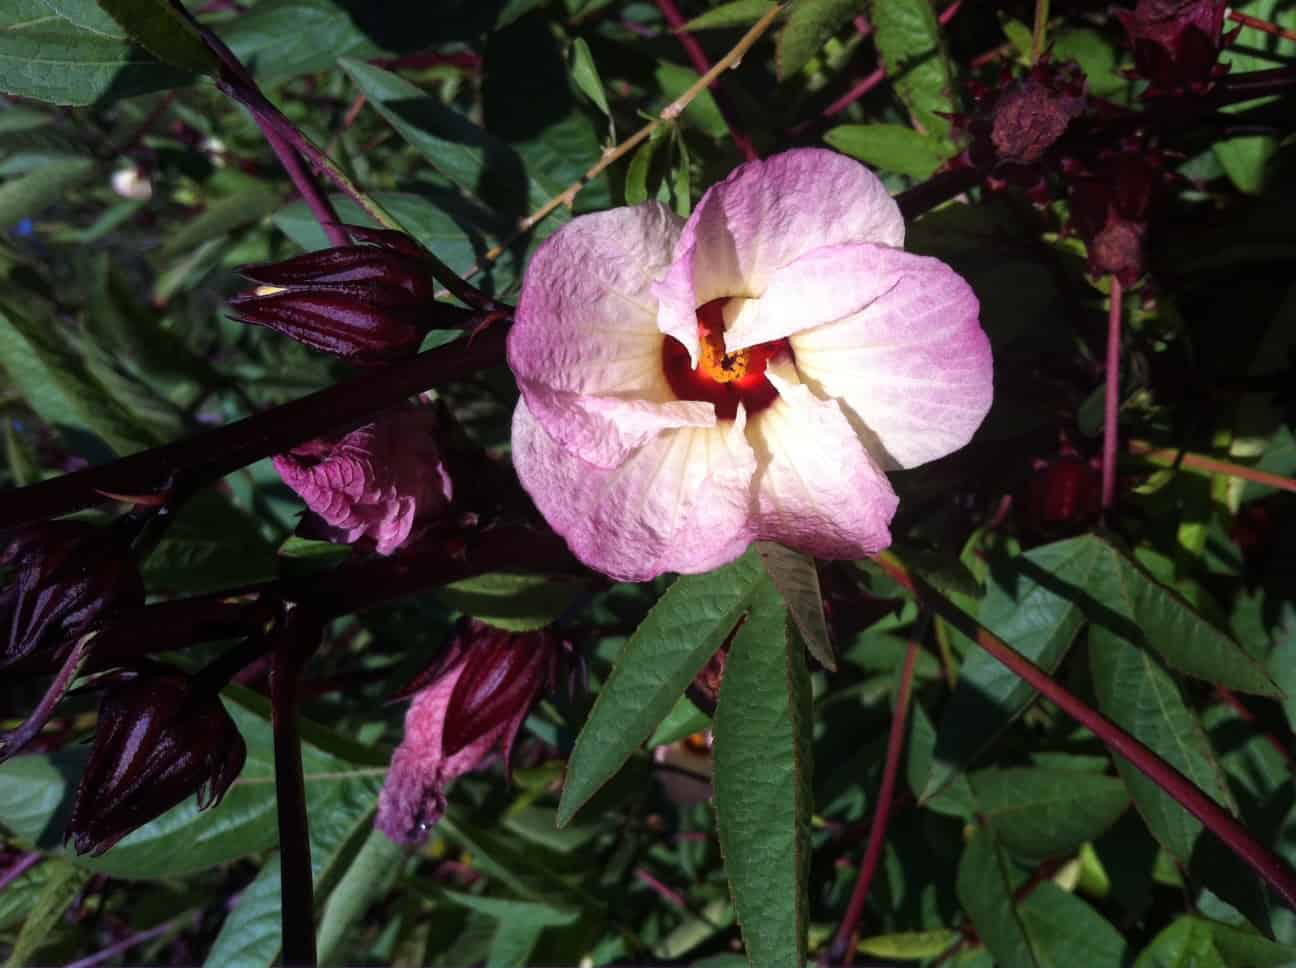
{"x": 1258, "y": 856}
{"x": 1262, "y": 25}
{"x": 843, "y": 946}
{"x": 1040, "y": 31}
{"x": 1112, "y": 397}
{"x": 20, "y": 867}
{"x": 613, "y": 155}
{"x": 1170, "y": 457}
{"x": 125, "y": 944}
{"x": 702, "y": 65}
{"x": 210, "y": 456}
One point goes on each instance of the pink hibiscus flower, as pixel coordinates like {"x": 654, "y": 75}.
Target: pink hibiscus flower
{"x": 691, "y": 387}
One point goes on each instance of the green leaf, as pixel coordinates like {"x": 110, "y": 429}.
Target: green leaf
{"x": 35, "y": 191}
{"x": 1068, "y": 932}
{"x": 18, "y": 899}
{"x": 636, "y": 182}
{"x": 210, "y": 546}
{"x": 368, "y": 877}
{"x": 252, "y": 934}
{"x": 810, "y": 25}
{"x": 985, "y": 884}
{"x": 909, "y": 945}
{"x": 520, "y": 925}
{"x": 702, "y": 112}
{"x": 157, "y": 27}
{"x": 279, "y": 39}
{"x": 1023, "y": 608}
{"x": 586, "y": 75}
{"x": 797, "y": 579}
{"x": 71, "y": 52}
{"x": 515, "y": 602}
{"x": 62, "y": 885}
{"x": 736, "y": 13}
{"x": 762, "y": 783}
{"x": 1247, "y": 159}
{"x": 909, "y": 41}
{"x": 251, "y": 203}
{"x": 455, "y": 147}
{"x": 1041, "y": 813}
{"x": 890, "y": 147}
{"x": 53, "y": 380}
{"x": 1242, "y": 946}
{"x": 36, "y": 795}
{"x": 672, "y": 644}
{"x": 1187, "y": 943}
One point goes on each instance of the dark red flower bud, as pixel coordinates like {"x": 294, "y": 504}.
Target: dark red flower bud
{"x": 65, "y": 574}
{"x": 1065, "y": 491}
{"x": 1032, "y": 114}
{"x": 159, "y": 739}
{"x": 368, "y": 303}
{"x": 469, "y": 704}
{"x": 1109, "y": 210}
{"x": 1176, "y": 43}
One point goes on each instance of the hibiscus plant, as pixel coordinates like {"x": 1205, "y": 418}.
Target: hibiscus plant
{"x": 714, "y": 482}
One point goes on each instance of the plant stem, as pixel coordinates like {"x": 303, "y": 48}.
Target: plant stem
{"x": 700, "y": 64}
{"x": 210, "y": 456}
{"x": 1040, "y": 31}
{"x": 299, "y": 638}
{"x": 1170, "y": 457}
{"x": 20, "y": 867}
{"x": 1112, "y": 397}
{"x": 1264, "y": 26}
{"x": 843, "y": 946}
{"x": 1219, "y": 821}
{"x": 937, "y": 190}
{"x": 613, "y": 155}
{"x": 125, "y": 944}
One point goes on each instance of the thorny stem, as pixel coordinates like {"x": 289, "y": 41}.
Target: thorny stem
{"x": 211, "y": 455}
{"x": 1219, "y": 821}
{"x": 1112, "y": 397}
{"x": 1170, "y": 457}
{"x": 843, "y": 946}
{"x": 300, "y": 637}
{"x": 613, "y": 155}
{"x": 700, "y": 64}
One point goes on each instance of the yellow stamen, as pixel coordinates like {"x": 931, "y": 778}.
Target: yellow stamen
{"x": 267, "y": 290}
{"x": 718, "y": 365}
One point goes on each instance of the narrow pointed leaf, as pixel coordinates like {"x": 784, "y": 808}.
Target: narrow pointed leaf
{"x": 1040, "y": 813}
{"x": 158, "y": 28}
{"x": 60, "y": 889}
{"x": 762, "y": 783}
{"x": 669, "y": 648}
{"x": 985, "y": 885}
{"x": 797, "y": 579}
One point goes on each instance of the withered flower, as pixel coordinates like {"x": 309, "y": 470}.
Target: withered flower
{"x": 469, "y": 704}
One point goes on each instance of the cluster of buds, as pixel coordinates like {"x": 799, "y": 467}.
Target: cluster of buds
{"x": 1177, "y": 43}
{"x": 160, "y": 738}
{"x": 468, "y": 705}
{"x": 374, "y": 485}
{"x": 370, "y": 303}
{"x": 63, "y": 576}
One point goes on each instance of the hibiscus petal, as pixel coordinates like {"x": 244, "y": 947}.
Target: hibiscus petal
{"x": 763, "y": 217}
{"x": 817, "y": 488}
{"x": 913, "y": 368}
{"x": 679, "y": 503}
{"x": 585, "y": 326}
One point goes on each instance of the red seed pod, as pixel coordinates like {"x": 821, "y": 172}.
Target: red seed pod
{"x": 1176, "y": 43}
{"x": 159, "y": 739}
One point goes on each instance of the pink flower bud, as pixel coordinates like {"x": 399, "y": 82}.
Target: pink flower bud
{"x": 158, "y": 740}
{"x": 374, "y": 484}
{"x": 468, "y": 705}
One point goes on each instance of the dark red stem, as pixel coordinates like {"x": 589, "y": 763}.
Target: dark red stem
{"x": 697, "y": 56}
{"x": 1112, "y": 397}
{"x": 211, "y": 455}
{"x": 19, "y": 867}
{"x": 1219, "y": 821}
{"x": 843, "y": 946}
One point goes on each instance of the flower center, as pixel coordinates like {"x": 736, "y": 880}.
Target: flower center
{"x": 724, "y": 379}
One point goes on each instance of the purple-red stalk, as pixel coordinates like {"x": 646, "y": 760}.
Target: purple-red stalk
{"x": 842, "y": 949}
{"x": 19, "y": 867}
{"x": 1262, "y": 25}
{"x": 1219, "y": 821}
{"x": 125, "y": 944}
{"x": 1112, "y": 399}
{"x": 697, "y": 56}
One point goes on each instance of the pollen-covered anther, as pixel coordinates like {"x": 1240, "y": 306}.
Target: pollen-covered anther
{"x": 718, "y": 365}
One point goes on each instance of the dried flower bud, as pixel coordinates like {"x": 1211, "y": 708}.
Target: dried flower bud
{"x": 471, "y": 703}
{"x": 159, "y": 739}
{"x": 1109, "y": 210}
{"x": 374, "y": 484}
{"x": 1176, "y": 43}
{"x": 1032, "y": 114}
{"x": 368, "y": 303}
{"x": 65, "y": 575}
